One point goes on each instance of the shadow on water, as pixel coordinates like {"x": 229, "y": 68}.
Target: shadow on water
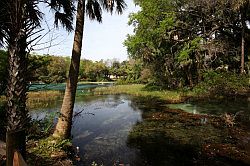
{"x": 156, "y": 148}
{"x": 173, "y": 137}
{"x": 160, "y": 150}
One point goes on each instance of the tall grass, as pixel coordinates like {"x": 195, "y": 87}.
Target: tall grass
{"x": 39, "y": 98}
{"x": 42, "y": 98}
{"x": 140, "y": 90}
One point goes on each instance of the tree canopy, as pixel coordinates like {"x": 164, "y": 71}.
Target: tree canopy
{"x": 179, "y": 40}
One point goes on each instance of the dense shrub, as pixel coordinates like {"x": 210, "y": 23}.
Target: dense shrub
{"x": 223, "y": 83}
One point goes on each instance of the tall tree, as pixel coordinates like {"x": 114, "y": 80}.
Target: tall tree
{"x": 18, "y": 21}
{"x": 178, "y": 39}
{"x": 243, "y": 6}
{"x": 93, "y": 8}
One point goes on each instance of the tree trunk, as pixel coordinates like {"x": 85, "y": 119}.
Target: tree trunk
{"x": 243, "y": 24}
{"x": 242, "y": 51}
{"x": 17, "y": 115}
{"x": 63, "y": 127}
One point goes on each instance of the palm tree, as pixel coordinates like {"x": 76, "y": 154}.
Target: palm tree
{"x": 18, "y": 21}
{"x": 93, "y": 8}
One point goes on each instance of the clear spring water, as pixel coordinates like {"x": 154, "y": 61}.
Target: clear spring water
{"x": 103, "y": 124}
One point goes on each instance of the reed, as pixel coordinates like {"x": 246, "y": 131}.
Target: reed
{"x": 38, "y": 98}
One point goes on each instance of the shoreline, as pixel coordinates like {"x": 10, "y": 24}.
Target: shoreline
{"x": 169, "y": 96}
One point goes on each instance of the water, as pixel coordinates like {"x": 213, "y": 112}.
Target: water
{"x": 102, "y": 128}
{"x": 215, "y": 107}
{"x": 119, "y": 129}
{"x": 61, "y": 87}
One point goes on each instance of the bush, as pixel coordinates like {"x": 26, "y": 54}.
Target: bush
{"x": 223, "y": 83}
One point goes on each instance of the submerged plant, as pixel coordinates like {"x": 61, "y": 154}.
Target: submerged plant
{"x": 42, "y": 127}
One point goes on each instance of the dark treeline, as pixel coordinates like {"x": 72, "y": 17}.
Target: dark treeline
{"x": 53, "y": 69}
{"x": 181, "y": 42}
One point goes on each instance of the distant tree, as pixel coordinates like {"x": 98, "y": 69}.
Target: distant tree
{"x": 56, "y": 70}
{"x": 37, "y": 68}
{"x": 115, "y": 68}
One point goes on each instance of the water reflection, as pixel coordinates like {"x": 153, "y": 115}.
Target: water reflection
{"x": 215, "y": 107}
{"x": 118, "y": 129}
{"x": 102, "y": 135}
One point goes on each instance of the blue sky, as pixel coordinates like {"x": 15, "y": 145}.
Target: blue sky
{"x": 101, "y": 40}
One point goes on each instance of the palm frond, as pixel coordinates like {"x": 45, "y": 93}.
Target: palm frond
{"x": 33, "y": 13}
{"x": 64, "y": 12}
{"x": 120, "y": 6}
{"x": 94, "y": 8}
{"x": 65, "y": 19}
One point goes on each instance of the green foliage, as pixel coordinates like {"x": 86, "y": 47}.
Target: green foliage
{"x": 52, "y": 69}
{"x": 128, "y": 72}
{"x": 152, "y": 87}
{"x": 223, "y": 83}
{"x": 49, "y": 146}
{"x": 41, "y": 128}
{"x": 47, "y": 69}
{"x": 93, "y": 71}
{"x": 179, "y": 40}
{"x": 188, "y": 49}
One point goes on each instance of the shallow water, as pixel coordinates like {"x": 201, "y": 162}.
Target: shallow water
{"x": 215, "y": 107}
{"x": 101, "y": 130}
{"x": 110, "y": 129}
{"x": 101, "y": 127}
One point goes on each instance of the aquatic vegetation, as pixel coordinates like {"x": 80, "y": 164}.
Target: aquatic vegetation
{"x": 185, "y": 136}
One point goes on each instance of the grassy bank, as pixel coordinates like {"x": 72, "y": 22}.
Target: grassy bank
{"x": 39, "y": 98}
{"x": 140, "y": 90}
{"x": 203, "y": 90}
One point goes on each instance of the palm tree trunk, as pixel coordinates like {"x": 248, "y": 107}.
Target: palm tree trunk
{"x": 17, "y": 115}
{"x": 242, "y": 48}
{"x": 63, "y": 127}
{"x": 243, "y": 25}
